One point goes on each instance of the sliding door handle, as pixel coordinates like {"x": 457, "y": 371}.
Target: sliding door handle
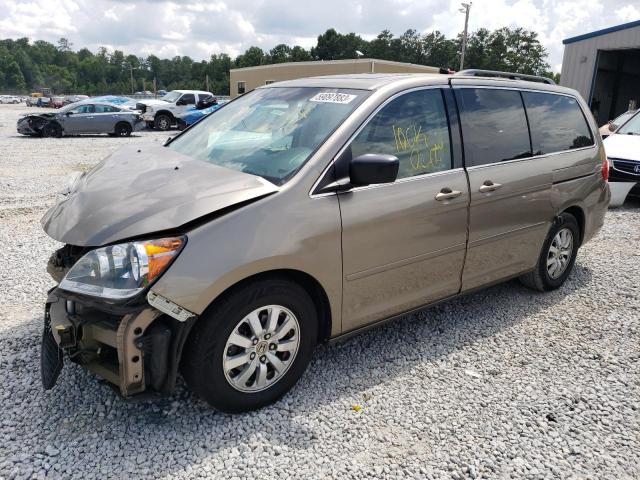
{"x": 489, "y": 186}
{"x": 447, "y": 194}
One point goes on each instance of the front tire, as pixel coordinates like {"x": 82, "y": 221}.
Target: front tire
{"x": 252, "y": 346}
{"x": 557, "y": 257}
{"x": 162, "y": 122}
{"x": 52, "y": 129}
{"x": 123, "y": 130}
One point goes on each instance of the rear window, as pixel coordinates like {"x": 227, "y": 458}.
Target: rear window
{"x": 494, "y": 125}
{"x": 557, "y": 123}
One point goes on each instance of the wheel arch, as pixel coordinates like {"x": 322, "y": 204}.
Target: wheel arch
{"x": 164, "y": 112}
{"x": 122, "y": 122}
{"x": 579, "y": 215}
{"x": 311, "y": 285}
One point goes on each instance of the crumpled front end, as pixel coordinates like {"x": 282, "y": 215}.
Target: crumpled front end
{"x": 32, "y": 125}
{"x": 133, "y": 345}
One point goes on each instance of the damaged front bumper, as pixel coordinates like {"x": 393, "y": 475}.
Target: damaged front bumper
{"x": 136, "y": 347}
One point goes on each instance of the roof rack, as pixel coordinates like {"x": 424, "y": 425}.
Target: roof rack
{"x": 513, "y": 76}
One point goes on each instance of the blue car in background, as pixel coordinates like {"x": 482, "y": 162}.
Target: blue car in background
{"x": 201, "y": 110}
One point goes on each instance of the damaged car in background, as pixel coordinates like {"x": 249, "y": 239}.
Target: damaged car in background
{"x": 86, "y": 117}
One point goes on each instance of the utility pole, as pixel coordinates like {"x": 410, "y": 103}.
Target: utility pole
{"x": 131, "y": 74}
{"x": 465, "y": 9}
{"x": 206, "y": 82}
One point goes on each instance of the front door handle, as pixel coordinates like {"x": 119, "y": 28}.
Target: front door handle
{"x": 447, "y": 194}
{"x": 489, "y": 186}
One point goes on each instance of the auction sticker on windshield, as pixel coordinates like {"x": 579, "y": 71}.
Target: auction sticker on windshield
{"x": 329, "y": 97}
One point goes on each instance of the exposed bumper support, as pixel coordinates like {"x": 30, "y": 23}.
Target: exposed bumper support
{"x": 136, "y": 350}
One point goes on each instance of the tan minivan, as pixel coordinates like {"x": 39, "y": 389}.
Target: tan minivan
{"x": 310, "y": 209}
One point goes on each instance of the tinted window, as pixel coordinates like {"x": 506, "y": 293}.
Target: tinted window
{"x": 412, "y": 127}
{"x": 188, "y": 99}
{"x": 494, "y": 125}
{"x": 556, "y": 122}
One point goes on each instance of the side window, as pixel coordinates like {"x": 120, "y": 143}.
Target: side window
{"x": 494, "y": 125}
{"x": 414, "y": 128}
{"x": 84, "y": 109}
{"x": 188, "y": 99}
{"x": 106, "y": 109}
{"x": 557, "y": 123}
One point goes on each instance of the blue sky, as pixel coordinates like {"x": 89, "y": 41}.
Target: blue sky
{"x": 200, "y": 28}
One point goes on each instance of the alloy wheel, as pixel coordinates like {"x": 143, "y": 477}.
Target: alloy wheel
{"x": 560, "y": 252}
{"x": 261, "y": 348}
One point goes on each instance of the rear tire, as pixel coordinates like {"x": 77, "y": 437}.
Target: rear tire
{"x": 123, "y": 129}
{"x": 211, "y": 346}
{"x": 557, "y": 257}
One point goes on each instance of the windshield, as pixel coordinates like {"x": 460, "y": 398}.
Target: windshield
{"x": 171, "y": 97}
{"x": 622, "y": 118}
{"x": 269, "y": 132}
{"x": 632, "y": 127}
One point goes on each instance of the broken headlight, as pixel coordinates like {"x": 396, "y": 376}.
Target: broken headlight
{"x": 121, "y": 271}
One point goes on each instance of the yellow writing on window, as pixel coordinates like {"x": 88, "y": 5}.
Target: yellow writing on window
{"x": 423, "y": 154}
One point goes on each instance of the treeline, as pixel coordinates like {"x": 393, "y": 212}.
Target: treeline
{"x": 27, "y": 67}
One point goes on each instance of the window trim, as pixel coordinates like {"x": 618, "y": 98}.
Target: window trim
{"x": 506, "y": 162}
{"x": 347, "y": 144}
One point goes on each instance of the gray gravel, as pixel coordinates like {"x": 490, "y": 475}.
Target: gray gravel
{"x": 505, "y": 383}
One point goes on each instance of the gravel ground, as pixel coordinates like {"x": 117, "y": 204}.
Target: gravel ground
{"x": 505, "y": 383}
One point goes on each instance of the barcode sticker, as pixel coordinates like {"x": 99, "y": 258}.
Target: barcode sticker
{"x": 329, "y": 97}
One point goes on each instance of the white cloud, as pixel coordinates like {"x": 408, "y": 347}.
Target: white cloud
{"x": 628, "y": 13}
{"x": 199, "y": 28}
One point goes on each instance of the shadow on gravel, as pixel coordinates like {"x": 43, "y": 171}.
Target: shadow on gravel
{"x": 166, "y": 436}
{"x": 70, "y": 137}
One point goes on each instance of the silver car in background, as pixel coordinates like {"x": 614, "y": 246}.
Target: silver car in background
{"x": 86, "y": 117}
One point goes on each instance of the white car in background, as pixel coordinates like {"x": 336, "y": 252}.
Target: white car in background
{"x": 611, "y": 126}
{"x": 161, "y": 113}
{"x": 9, "y": 99}
{"x": 623, "y": 151}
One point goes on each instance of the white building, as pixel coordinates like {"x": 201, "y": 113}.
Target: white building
{"x": 604, "y": 66}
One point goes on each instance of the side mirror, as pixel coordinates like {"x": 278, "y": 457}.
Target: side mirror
{"x": 181, "y": 102}
{"x": 68, "y": 114}
{"x": 373, "y": 168}
{"x": 612, "y": 127}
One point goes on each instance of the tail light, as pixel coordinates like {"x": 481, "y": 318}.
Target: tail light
{"x": 605, "y": 165}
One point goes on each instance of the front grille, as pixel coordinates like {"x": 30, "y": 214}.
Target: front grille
{"x": 627, "y": 166}
{"x": 141, "y": 106}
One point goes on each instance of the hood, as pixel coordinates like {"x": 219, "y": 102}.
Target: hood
{"x": 142, "y": 191}
{"x": 622, "y": 146}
